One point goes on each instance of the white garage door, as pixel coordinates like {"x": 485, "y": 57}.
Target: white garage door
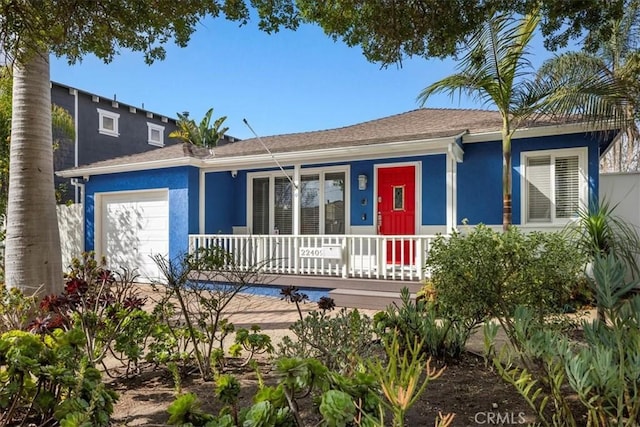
{"x": 134, "y": 227}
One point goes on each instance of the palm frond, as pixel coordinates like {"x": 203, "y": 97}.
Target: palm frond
{"x": 583, "y": 86}
{"x": 496, "y": 57}
{"x": 203, "y": 134}
{"x": 476, "y": 87}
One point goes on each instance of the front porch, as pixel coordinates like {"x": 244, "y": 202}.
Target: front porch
{"x": 366, "y": 271}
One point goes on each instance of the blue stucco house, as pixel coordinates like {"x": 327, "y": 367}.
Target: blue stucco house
{"x": 358, "y": 202}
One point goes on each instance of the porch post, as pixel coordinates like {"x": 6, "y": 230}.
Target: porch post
{"x": 452, "y": 211}
{"x": 296, "y": 218}
{"x": 454, "y": 155}
{"x": 296, "y": 200}
{"x": 201, "y": 204}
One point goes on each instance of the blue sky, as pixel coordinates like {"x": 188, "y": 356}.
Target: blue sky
{"x": 282, "y": 83}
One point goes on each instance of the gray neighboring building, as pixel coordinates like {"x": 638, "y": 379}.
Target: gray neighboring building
{"x": 105, "y": 129}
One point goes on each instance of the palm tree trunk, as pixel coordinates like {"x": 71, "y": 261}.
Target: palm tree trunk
{"x": 507, "y": 212}
{"x": 33, "y": 259}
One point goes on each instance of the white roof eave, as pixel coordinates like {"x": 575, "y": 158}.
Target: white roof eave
{"x": 540, "y": 131}
{"x": 390, "y": 149}
{"x": 130, "y": 167}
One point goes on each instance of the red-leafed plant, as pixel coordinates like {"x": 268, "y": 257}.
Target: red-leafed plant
{"x": 104, "y": 305}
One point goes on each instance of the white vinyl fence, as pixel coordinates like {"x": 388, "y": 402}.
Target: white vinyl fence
{"x": 623, "y": 190}
{"x": 71, "y": 228}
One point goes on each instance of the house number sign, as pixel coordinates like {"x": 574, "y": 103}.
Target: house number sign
{"x": 328, "y": 252}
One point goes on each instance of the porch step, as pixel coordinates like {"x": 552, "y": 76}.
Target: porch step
{"x": 340, "y": 283}
{"x": 360, "y": 298}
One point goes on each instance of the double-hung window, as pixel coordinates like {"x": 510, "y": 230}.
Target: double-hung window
{"x": 554, "y": 185}
{"x": 321, "y": 203}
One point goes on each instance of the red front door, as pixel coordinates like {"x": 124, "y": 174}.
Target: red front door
{"x": 397, "y": 210}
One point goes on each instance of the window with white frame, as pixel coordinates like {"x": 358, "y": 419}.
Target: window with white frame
{"x": 321, "y": 203}
{"x": 108, "y": 122}
{"x": 554, "y": 185}
{"x": 155, "y": 134}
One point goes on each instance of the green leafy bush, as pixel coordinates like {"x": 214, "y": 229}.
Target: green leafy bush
{"x": 441, "y": 336}
{"x": 252, "y": 343}
{"x": 337, "y": 408}
{"x": 16, "y": 309}
{"x": 603, "y": 372}
{"x": 185, "y": 410}
{"x": 48, "y": 377}
{"x": 337, "y": 341}
{"x": 485, "y": 274}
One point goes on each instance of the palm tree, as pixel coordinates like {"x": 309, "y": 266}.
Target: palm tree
{"x": 602, "y": 83}
{"x": 204, "y": 134}
{"x": 493, "y": 71}
{"x": 31, "y": 210}
{"x": 63, "y": 127}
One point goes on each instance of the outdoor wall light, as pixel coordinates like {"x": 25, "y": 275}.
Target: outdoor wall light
{"x": 234, "y": 173}
{"x": 362, "y": 182}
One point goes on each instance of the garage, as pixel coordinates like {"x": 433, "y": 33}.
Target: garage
{"x": 132, "y": 227}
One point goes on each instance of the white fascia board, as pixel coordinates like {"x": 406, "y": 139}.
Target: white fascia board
{"x": 363, "y": 152}
{"x": 376, "y": 151}
{"x": 130, "y": 167}
{"x": 534, "y": 132}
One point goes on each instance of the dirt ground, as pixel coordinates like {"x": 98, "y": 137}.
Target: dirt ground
{"x": 468, "y": 388}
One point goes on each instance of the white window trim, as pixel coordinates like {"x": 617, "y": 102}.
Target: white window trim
{"x": 303, "y": 171}
{"x": 151, "y": 127}
{"x": 583, "y": 170}
{"x": 110, "y": 114}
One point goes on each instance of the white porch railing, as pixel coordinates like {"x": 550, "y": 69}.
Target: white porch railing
{"x": 355, "y": 256}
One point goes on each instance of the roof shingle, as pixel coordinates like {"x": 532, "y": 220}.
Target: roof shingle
{"x": 424, "y": 123}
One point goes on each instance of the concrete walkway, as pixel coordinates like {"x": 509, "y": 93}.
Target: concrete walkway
{"x": 274, "y": 316}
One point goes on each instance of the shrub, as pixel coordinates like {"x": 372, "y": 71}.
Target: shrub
{"x": 253, "y": 343}
{"x": 337, "y": 341}
{"x": 441, "y": 337}
{"x": 102, "y": 304}
{"x": 599, "y": 232}
{"x": 16, "y": 309}
{"x": 197, "y": 323}
{"x": 486, "y": 274}
{"x": 603, "y": 372}
{"x": 48, "y": 377}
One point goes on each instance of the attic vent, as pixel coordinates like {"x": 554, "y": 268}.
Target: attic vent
{"x": 95, "y": 98}
{"x": 149, "y": 115}
{"x": 132, "y": 110}
{"x": 114, "y": 104}
{"x": 165, "y": 120}
{"x": 72, "y": 91}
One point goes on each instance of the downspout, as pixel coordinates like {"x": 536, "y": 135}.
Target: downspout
{"x": 201, "y": 204}
{"x": 79, "y": 188}
{"x": 76, "y": 155}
